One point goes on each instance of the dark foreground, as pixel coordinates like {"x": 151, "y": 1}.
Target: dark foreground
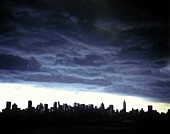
{"x": 84, "y": 128}
{"x": 87, "y": 130}
{"x": 116, "y": 125}
{"x": 81, "y": 120}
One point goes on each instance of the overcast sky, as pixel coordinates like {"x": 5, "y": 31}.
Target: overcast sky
{"x": 109, "y": 46}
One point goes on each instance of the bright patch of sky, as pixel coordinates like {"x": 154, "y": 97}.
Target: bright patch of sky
{"x": 21, "y": 93}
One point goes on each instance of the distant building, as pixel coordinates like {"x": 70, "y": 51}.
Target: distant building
{"x": 82, "y": 106}
{"x": 134, "y": 111}
{"x": 8, "y": 105}
{"x": 58, "y": 103}
{"x": 46, "y": 107}
{"x": 168, "y": 112}
{"x": 65, "y": 106}
{"x": 102, "y": 106}
{"x": 110, "y": 110}
{"x": 14, "y": 107}
{"x": 76, "y": 104}
{"x": 55, "y": 106}
{"x": 39, "y": 108}
{"x": 90, "y": 106}
{"x": 29, "y": 105}
{"x": 124, "y": 106}
{"x": 102, "y": 109}
{"x": 149, "y": 108}
{"x": 141, "y": 111}
{"x": 111, "y": 107}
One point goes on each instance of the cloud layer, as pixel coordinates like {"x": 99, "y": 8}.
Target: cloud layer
{"x": 114, "y": 50}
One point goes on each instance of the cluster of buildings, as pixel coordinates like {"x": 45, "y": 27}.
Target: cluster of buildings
{"x": 63, "y": 109}
{"x": 80, "y": 113}
{"x": 75, "y": 110}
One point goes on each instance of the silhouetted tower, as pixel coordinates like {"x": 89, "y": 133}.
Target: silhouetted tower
{"x": 55, "y": 105}
{"x": 29, "y": 105}
{"x": 150, "y": 108}
{"x": 102, "y": 109}
{"x": 8, "y": 105}
{"x": 168, "y": 114}
{"x": 14, "y": 107}
{"x": 124, "y": 106}
{"x": 39, "y": 108}
{"x": 76, "y": 104}
{"x": 65, "y": 106}
{"x": 110, "y": 108}
{"x": 46, "y": 107}
{"x": 102, "y": 106}
{"x": 141, "y": 111}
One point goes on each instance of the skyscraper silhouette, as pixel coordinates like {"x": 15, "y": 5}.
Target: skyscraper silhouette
{"x": 150, "y": 108}
{"x": 124, "y": 106}
{"x": 55, "y": 106}
{"x": 46, "y": 108}
{"x": 8, "y": 105}
{"x": 14, "y": 107}
{"x": 29, "y": 105}
{"x": 102, "y": 106}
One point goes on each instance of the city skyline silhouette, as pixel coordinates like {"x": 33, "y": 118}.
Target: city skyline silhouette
{"x": 56, "y": 105}
{"x": 80, "y": 115}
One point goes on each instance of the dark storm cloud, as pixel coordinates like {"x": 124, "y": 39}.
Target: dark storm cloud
{"x": 149, "y": 38}
{"x": 117, "y": 46}
{"x": 11, "y": 62}
{"x": 65, "y": 79}
{"x": 93, "y": 60}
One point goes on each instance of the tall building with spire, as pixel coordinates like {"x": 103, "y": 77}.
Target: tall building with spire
{"x": 124, "y": 106}
{"x": 102, "y": 106}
